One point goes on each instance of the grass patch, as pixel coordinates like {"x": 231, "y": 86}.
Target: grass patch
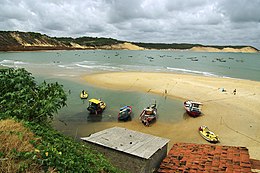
{"x": 15, "y": 146}
{"x": 31, "y": 147}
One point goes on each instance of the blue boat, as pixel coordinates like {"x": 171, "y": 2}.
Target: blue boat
{"x": 125, "y": 113}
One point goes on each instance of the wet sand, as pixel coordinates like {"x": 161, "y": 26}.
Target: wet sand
{"x": 235, "y": 118}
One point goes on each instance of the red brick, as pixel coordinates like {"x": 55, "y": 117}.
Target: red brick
{"x": 207, "y": 158}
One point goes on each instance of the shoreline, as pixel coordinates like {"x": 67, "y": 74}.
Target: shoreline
{"x": 136, "y": 48}
{"x": 231, "y": 116}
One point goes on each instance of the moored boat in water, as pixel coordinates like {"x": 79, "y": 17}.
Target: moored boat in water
{"x": 192, "y": 108}
{"x": 96, "y": 106}
{"x": 207, "y": 134}
{"x": 149, "y": 114}
{"x": 125, "y": 113}
{"x": 83, "y": 94}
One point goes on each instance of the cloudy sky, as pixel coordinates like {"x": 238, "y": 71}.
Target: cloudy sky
{"x": 211, "y": 22}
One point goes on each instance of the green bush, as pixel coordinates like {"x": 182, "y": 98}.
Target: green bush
{"x": 33, "y": 105}
{"x": 65, "y": 155}
{"x": 21, "y": 97}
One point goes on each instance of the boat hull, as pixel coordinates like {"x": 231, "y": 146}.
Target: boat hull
{"x": 192, "y": 108}
{"x": 125, "y": 113}
{"x": 193, "y": 114}
{"x": 83, "y": 95}
{"x": 147, "y": 119}
{"x": 208, "y": 135}
{"x": 96, "y": 106}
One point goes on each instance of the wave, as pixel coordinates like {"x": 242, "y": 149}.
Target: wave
{"x": 12, "y": 63}
{"x": 67, "y": 66}
{"x": 87, "y": 62}
{"x": 7, "y": 61}
{"x": 192, "y": 71}
{"x": 100, "y": 67}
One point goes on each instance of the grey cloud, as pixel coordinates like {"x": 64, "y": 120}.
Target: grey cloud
{"x": 241, "y": 10}
{"x": 181, "y": 5}
{"x": 13, "y": 10}
{"x": 123, "y": 10}
{"x": 196, "y": 21}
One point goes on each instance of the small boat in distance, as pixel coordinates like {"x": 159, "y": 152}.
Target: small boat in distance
{"x": 96, "y": 106}
{"x": 149, "y": 114}
{"x": 207, "y": 134}
{"x": 192, "y": 108}
{"x": 125, "y": 113}
{"x": 83, "y": 94}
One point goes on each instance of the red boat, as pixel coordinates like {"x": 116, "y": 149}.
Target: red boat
{"x": 149, "y": 114}
{"x": 192, "y": 108}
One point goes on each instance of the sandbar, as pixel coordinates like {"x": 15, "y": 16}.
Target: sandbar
{"x": 234, "y": 117}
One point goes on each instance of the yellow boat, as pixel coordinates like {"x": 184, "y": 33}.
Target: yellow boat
{"x": 83, "y": 94}
{"x": 208, "y": 135}
{"x": 96, "y": 106}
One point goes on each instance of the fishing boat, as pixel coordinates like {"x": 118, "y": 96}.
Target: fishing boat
{"x": 96, "y": 106}
{"x": 125, "y": 113}
{"x": 149, "y": 114}
{"x": 83, "y": 94}
{"x": 207, "y": 134}
{"x": 192, "y": 108}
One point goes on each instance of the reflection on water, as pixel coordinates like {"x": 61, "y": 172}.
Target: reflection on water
{"x": 94, "y": 118}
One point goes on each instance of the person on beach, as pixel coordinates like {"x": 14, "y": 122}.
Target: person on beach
{"x": 235, "y": 91}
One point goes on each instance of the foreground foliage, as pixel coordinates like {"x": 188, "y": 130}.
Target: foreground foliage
{"x": 45, "y": 150}
{"x": 64, "y": 155}
{"x": 21, "y": 97}
{"x": 14, "y": 148}
{"x": 33, "y": 145}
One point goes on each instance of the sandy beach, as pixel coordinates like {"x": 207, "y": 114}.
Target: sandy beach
{"x": 235, "y": 118}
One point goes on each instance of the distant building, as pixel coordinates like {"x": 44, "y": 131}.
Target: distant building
{"x": 130, "y": 150}
{"x": 184, "y": 157}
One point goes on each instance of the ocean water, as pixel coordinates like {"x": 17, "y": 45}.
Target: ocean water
{"x": 74, "y": 63}
{"x": 66, "y": 67}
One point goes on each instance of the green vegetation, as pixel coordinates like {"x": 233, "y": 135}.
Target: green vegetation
{"x": 90, "y": 41}
{"x": 21, "y": 97}
{"x": 30, "y": 144}
{"x": 166, "y": 46}
{"x": 182, "y": 46}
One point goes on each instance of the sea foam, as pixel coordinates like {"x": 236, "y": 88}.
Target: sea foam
{"x": 181, "y": 70}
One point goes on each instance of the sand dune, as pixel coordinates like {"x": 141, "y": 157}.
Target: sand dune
{"x": 226, "y": 49}
{"x": 122, "y": 46}
{"x": 235, "y": 118}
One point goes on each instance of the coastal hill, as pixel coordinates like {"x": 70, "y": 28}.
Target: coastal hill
{"x": 30, "y": 41}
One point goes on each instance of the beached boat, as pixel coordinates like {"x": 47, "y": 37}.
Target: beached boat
{"x": 125, "y": 113}
{"x": 149, "y": 114}
{"x": 83, "y": 94}
{"x": 192, "y": 108}
{"x": 208, "y": 135}
{"x": 96, "y": 106}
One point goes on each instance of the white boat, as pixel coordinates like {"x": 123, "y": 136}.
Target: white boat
{"x": 192, "y": 108}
